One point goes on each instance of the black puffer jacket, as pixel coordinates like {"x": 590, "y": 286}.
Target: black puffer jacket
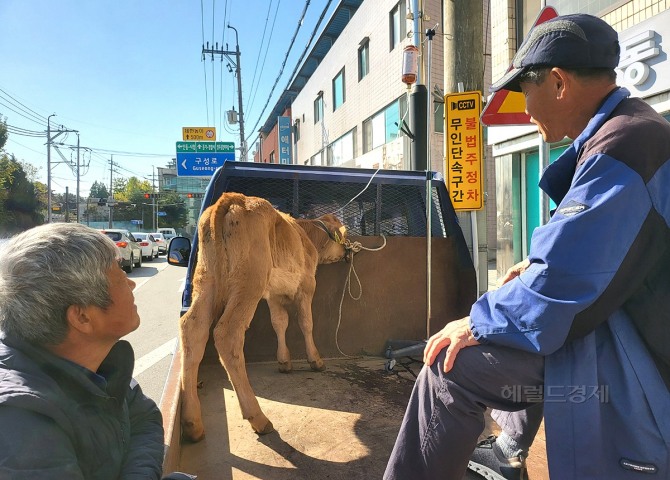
{"x": 58, "y": 421}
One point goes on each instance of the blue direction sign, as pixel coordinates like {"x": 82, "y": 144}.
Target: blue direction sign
{"x": 202, "y": 158}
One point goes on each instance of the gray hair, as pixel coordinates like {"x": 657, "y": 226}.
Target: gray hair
{"x": 45, "y": 270}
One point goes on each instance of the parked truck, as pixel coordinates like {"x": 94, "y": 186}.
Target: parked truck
{"x": 412, "y": 275}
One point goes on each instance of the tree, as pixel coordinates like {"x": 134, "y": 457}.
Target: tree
{"x": 176, "y": 215}
{"x": 98, "y": 190}
{"x": 3, "y": 132}
{"x": 20, "y": 205}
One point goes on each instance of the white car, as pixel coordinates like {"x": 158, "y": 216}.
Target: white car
{"x": 148, "y": 244}
{"x": 131, "y": 252}
{"x": 161, "y": 241}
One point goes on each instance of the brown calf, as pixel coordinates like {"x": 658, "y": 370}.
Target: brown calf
{"x": 248, "y": 251}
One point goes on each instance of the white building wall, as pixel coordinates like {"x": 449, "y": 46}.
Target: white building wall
{"x": 376, "y": 90}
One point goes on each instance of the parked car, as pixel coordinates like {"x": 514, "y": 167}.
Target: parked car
{"x": 131, "y": 252}
{"x": 161, "y": 241}
{"x": 148, "y": 244}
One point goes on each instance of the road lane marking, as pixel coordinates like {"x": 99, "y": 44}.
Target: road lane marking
{"x": 152, "y": 358}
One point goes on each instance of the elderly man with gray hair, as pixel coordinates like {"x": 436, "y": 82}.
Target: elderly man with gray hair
{"x": 69, "y": 407}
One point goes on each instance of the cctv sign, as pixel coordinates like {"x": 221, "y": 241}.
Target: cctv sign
{"x": 464, "y": 150}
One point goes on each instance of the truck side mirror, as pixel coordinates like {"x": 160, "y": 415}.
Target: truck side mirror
{"x": 178, "y": 251}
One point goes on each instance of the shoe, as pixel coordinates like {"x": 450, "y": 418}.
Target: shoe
{"x": 489, "y": 462}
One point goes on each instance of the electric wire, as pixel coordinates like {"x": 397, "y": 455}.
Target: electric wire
{"x": 213, "y": 79}
{"x": 252, "y": 92}
{"x": 30, "y": 114}
{"x": 204, "y": 65}
{"x": 298, "y": 63}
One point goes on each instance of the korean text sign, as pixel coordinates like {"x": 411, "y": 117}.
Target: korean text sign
{"x": 464, "y": 150}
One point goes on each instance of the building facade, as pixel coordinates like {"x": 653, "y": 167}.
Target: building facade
{"x": 518, "y": 152}
{"x": 347, "y": 103}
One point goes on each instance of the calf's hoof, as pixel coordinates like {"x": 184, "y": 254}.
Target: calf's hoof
{"x": 285, "y": 367}
{"x": 317, "y": 365}
{"x": 263, "y": 429}
{"x": 192, "y": 433}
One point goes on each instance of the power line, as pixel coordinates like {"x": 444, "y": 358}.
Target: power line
{"x": 281, "y": 70}
{"x": 267, "y": 47}
{"x": 204, "y": 66}
{"x": 28, "y": 113}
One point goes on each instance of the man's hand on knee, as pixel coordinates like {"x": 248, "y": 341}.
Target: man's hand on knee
{"x": 455, "y": 336}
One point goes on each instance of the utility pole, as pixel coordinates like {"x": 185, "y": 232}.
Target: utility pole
{"x": 77, "y": 202}
{"x": 418, "y": 99}
{"x": 50, "y": 140}
{"x": 464, "y": 71}
{"x": 111, "y": 191}
{"x": 238, "y": 72}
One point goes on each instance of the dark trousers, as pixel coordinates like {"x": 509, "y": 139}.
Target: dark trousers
{"x": 445, "y": 414}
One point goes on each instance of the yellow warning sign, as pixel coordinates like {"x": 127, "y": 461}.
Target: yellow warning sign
{"x": 464, "y": 150}
{"x": 198, "y": 133}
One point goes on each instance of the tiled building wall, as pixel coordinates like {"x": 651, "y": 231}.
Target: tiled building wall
{"x": 503, "y": 36}
{"x": 635, "y": 12}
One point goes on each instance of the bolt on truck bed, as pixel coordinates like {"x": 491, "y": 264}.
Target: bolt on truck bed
{"x": 340, "y": 423}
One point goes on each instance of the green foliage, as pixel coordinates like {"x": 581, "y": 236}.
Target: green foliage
{"x": 176, "y": 214}
{"x": 133, "y": 206}
{"x": 3, "y": 132}
{"x": 98, "y": 190}
{"x": 21, "y": 205}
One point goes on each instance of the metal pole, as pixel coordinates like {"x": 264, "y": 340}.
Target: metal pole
{"x": 238, "y": 72}
{"x": 416, "y": 34}
{"x": 154, "y": 210}
{"x": 429, "y": 188}
{"x": 430, "y": 33}
{"x": 111, "y": 191}
{"x": 77, "y": 202}
{"x": 49, "y": 167}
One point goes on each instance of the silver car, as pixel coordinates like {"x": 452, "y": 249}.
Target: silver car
{"x": 131, "y": 252}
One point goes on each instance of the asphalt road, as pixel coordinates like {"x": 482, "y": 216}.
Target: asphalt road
{"x": 158, "y": 298}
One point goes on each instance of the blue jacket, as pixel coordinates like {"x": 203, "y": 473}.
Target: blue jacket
{"x": 60, "y": 421}
{"x": 596, "y": 298}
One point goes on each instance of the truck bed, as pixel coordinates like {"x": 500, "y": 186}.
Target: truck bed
{"x": 336, "y": 424}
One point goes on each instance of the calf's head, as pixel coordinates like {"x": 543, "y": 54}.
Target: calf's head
{"x": 329, "y": 236}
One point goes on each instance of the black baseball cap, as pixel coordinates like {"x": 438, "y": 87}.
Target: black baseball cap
{"x": 568, "y": 41}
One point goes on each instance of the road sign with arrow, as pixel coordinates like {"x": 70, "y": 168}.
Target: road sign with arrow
{"x": 201, "y": 159}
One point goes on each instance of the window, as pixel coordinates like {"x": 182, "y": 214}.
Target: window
{"x": 363, "y": 58}
{"x": 338, "y": 90}
{"x": 318, "y": 107}
{"x": 342, "y": 149}
{"x": 296, "y": 131}
{"x": 397, "y": 24}
{"x": 317, "y": 159}
{"x": 272, "y": 156}
{"x": 383, "y": 127}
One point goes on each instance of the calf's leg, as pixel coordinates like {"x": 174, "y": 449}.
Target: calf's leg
{"x": 193, "y": 336}
{"x": 279, "y": 318}
{"x": 304, "y": 309}
{"x": 229, "y": 341}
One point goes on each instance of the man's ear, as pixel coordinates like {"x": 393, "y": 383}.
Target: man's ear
{"x": 560, "y": 81}
{"x": 78, "y": 318}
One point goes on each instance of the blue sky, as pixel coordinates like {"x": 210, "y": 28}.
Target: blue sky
{"x": 128, "y": 75}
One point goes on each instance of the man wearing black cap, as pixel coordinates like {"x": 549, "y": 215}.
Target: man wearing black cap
{"x": 583, "y": 326}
